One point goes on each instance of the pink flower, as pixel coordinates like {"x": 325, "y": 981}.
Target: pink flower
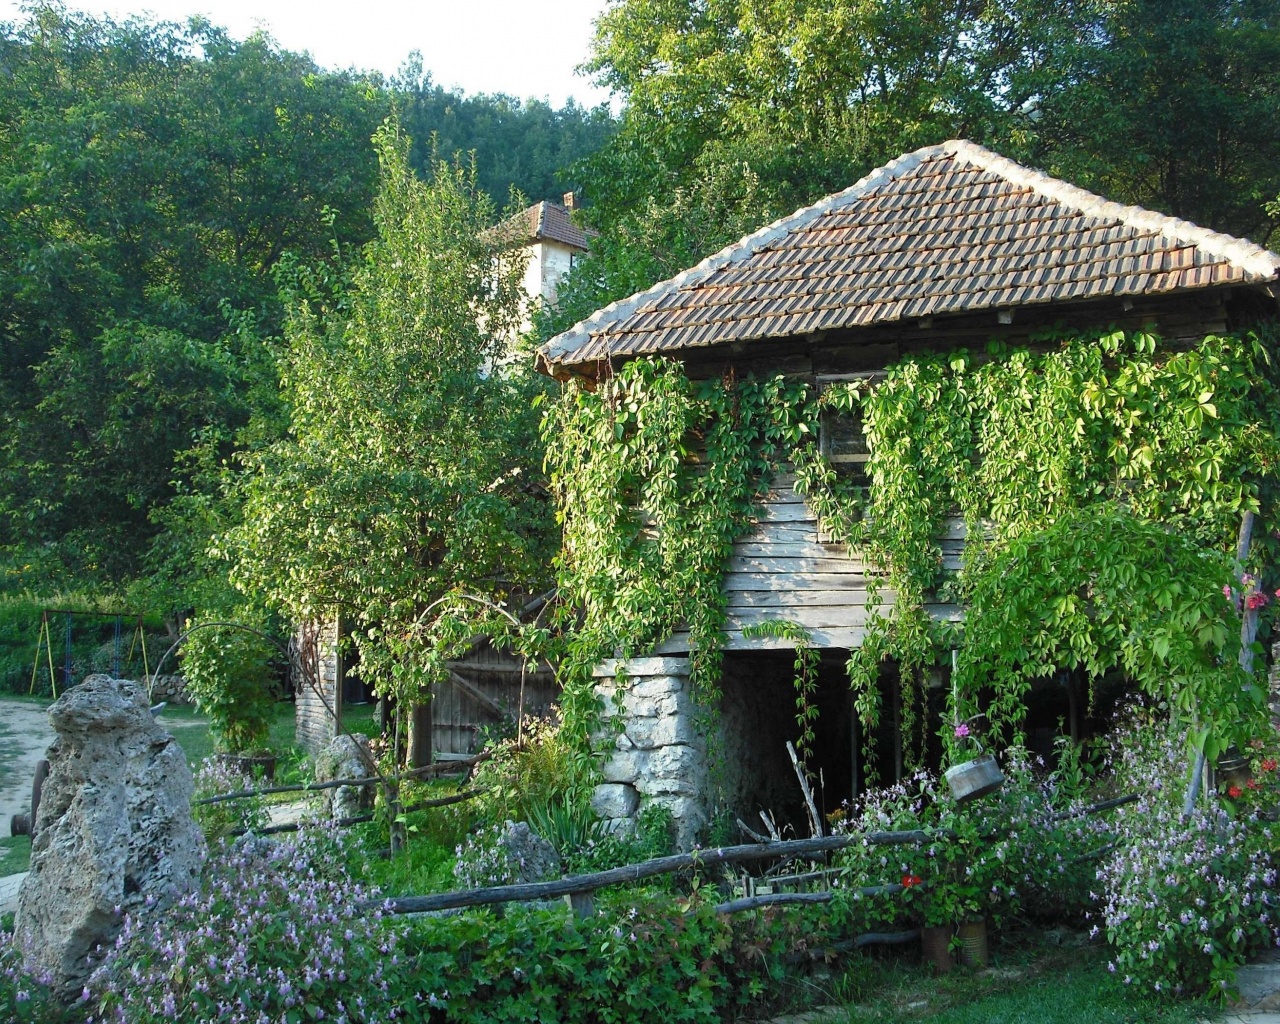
{"x": 962, "y": 730}
{"x": 1226, "y": 590}
{"x": 1256, "y": 600}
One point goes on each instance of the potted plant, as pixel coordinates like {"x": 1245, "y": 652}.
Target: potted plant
{"x": 229, "y": 675}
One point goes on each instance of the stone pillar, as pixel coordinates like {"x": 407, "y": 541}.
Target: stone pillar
{"x": 659, "y": 757}
{"x": 114, "y": 834}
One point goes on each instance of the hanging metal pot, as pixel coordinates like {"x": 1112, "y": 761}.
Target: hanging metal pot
{"x": 975, "y": 778}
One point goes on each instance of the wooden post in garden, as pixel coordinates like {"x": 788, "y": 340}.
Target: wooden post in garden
{"x": 420, "y": 754}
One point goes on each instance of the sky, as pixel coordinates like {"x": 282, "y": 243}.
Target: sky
{"x": 525, "y": 49}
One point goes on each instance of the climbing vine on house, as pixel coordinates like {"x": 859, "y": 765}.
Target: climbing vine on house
{"x": 655, "y": 476}
{"x": 1081, "y": 447}
{"x": 1097, "y": 435}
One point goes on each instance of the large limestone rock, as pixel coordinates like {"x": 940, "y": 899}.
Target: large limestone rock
{"x": 114, "y": 833}
{"x": 347, "y": 757}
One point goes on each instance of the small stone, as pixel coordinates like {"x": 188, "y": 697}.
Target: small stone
{"x": 535, "y": 858}
{"x": 347, "y": 757}
{"x": 648, "y": 733}
{"x": 624, "y": 766}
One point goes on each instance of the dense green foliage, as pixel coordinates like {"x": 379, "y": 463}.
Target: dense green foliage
{"x": 1040, "y": 450}
{"x": 654, "y": 477}
{"x": 738, "y": 111}
{"x": 155, "y": 180}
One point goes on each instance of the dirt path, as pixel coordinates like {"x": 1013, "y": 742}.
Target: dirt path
{"x": 24, "y": 736}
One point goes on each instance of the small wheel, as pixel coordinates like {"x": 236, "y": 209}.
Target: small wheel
{"x": 37, "y": 788}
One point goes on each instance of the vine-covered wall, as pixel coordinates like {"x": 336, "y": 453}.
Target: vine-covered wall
{"x": 1100, "y": 478}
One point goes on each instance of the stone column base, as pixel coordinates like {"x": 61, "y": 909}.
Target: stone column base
{"x": 658, "y": 757}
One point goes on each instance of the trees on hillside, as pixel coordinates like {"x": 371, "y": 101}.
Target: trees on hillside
{"x": 154, "y": 179}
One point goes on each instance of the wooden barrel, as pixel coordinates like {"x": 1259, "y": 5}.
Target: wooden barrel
{"x": 974, "y": 778}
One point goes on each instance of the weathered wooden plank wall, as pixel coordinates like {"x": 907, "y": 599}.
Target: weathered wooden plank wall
{"x": 483, "y": 690}
{"x": 788, "y": 569}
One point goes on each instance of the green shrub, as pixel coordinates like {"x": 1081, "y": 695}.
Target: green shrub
{"x": 648, "y": 960}
{"x": 230, "y": 674}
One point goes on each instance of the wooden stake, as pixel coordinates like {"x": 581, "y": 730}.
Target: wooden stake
{"x": 815, "y": 821}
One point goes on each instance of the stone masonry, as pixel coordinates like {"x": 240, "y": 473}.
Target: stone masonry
{"x": 659, "y": 756}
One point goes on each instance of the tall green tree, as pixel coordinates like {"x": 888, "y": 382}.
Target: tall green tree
{"x": 410, "y": 466}
{"x": 152, "y": 176}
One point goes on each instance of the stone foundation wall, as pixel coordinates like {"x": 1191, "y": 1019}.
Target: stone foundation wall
{"x": 172, "y": 689}
{"x": 659, "y": 756}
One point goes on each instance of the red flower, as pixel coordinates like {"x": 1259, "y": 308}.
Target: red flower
{"x": 1253, "y": 784}
{"x": 909, "y": 880}
{"x": 1268, "y": 764}
{"x": 1235, "y": 792}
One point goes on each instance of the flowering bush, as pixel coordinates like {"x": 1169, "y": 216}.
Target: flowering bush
{"x": 216, "y": 778}
{"x": 1259, "y": 791}
{"x": 277, "y": 933}
{"x": 1185, "y": 901}
{"x": 24, "y": 995}
{"x": 1026, "y": 842}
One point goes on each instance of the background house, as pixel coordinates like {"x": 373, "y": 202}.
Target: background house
{"x": 948, "y": 246}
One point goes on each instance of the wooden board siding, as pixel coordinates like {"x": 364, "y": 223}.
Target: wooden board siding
{"x": 483, "y": 690}
{"x": 315, "y": 725}
{"x": 787, "y": 569}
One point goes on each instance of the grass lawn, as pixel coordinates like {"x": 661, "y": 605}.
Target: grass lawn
{"x": 1027, "y": 984}
{"x": 191, "y": 730}
{"x": 15, "y": 852}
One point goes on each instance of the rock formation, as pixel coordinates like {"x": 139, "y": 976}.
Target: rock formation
{"x": 347, "y": 757}
{"x": 114, "y": 833}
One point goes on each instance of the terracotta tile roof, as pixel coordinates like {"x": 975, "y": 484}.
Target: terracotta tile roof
{"x": 946, "y": 229}
{"x": 547, "y": 221}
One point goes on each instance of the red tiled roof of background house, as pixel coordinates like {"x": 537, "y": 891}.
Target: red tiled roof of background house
{"x": 546, "y": 220}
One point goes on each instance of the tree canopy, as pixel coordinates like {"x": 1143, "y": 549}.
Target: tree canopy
{"x": 155, "y": 179}
{"x": 406, "y": 471}
{"x": 738, "y": 111}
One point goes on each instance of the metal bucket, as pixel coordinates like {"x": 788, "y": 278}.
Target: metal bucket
{"x": 974, "y": 778}
{"x": 935, "y": 947}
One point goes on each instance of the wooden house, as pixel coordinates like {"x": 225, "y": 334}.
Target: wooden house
{"x": 949, "y": 246}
